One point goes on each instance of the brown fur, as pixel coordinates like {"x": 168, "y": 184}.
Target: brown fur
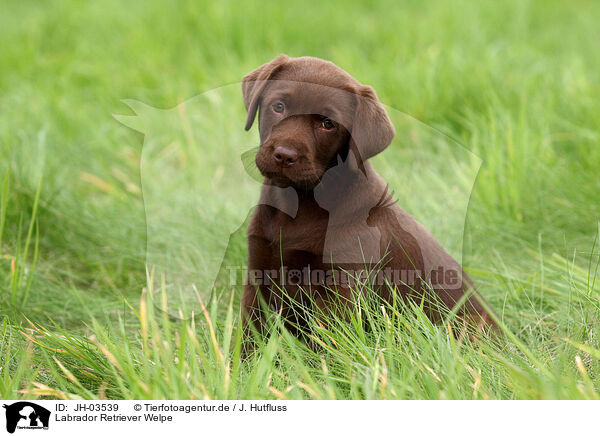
{"x": 296, "y": 151}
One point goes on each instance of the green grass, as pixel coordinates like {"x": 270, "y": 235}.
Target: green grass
{"x": 515, "y": 83}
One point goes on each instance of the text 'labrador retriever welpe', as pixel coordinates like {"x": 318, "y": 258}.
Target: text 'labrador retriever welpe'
{"x": 326, "y": 222}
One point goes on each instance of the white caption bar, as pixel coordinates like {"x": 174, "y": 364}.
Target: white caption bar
{"x": 294, "y": 417}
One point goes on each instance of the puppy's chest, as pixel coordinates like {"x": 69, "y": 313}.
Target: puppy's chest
{"x": 296, "y": 240}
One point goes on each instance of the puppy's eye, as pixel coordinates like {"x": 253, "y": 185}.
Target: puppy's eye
{"x": 327, "y": 124}
{"x": 278, "y": 107}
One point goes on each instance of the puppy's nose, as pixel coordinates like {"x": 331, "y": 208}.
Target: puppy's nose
{"x": 285, "y": 156}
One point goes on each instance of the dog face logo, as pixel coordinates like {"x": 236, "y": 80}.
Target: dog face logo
{"x": 26, "y": 415}
{"x": 200, "y": 179}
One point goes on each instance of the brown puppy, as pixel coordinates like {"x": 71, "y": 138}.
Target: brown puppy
{"x": 326, "y": 220}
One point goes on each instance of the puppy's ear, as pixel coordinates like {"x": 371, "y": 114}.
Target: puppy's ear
{"x": 254, "y": 83}
{"x": 372, "y": 129}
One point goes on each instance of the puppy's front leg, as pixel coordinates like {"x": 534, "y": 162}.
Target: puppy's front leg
{"x": 255, "y": 291}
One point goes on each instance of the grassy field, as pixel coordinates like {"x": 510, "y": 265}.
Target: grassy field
{"x": 515, "y": 83}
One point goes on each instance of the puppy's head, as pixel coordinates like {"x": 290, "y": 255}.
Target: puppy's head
{"x": 311, "y": 111}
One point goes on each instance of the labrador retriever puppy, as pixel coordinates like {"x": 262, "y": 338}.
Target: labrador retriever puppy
{"x": 326, "y": 222}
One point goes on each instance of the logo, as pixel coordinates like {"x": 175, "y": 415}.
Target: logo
{"x": 179, "y": 156}
{"x": 26, "y": 415}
